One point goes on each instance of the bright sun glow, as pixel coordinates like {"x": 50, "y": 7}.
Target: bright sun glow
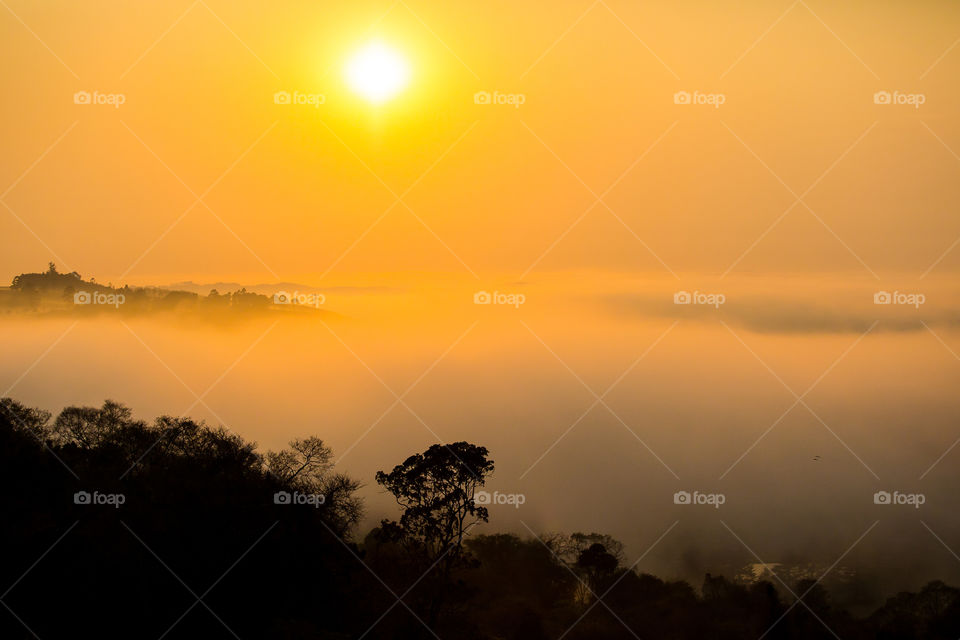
{"x": 377, "y": 72}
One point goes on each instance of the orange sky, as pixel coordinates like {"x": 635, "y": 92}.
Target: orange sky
{"x": 296, "y": 192}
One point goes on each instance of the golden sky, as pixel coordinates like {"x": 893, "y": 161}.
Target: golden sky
{"x": 798, "y": 170}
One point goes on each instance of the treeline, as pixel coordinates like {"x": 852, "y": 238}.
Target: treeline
{"x": 116, "y": 527}
{"x": 54, "y": 292}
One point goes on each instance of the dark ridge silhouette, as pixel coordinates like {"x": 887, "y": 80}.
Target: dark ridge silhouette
{"x": 55, "y": 293}
{"x": 119, "y": 528}
{"x": 269, "y": 289}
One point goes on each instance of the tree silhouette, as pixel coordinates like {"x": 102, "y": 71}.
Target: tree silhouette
{"x": 307, "y": 466}
{"x": 436, "y": 491}
{"x": 597, "y": 567}
{"x": 88, "y": 427}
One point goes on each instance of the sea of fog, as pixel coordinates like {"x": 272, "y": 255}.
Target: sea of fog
{"x": 705, "y": 438}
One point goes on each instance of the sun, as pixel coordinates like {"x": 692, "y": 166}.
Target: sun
{"x": 377, "y": 72}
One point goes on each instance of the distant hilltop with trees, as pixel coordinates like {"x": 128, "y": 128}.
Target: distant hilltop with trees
{"x": 53, "y": 292}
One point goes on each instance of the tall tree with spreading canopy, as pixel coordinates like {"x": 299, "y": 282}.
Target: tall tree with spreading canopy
{"x": 436, "y": 490}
